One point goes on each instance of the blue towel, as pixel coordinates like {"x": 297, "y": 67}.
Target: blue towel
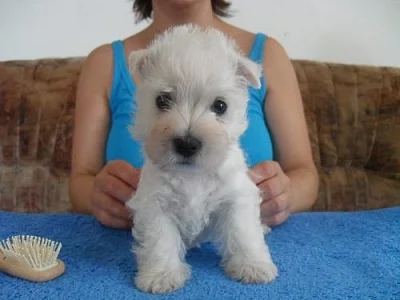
{"x": 319, "y": 255}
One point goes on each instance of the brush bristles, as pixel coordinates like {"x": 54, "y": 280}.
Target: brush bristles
{"x": 32, "y": 251}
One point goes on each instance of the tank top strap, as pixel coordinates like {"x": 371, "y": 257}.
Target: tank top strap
{"x": 257, "y": 50}
{"x": 121, "y": 70}
{"x": 257, "y": 55}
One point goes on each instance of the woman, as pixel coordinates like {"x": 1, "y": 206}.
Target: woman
{"x": 106, "y": 160}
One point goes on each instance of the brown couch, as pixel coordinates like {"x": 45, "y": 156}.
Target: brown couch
{"x": 353, "y": 114}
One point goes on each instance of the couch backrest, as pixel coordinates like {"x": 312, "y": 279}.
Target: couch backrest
{"x": 37, "y": 101}
{"x": 353, "y": 114}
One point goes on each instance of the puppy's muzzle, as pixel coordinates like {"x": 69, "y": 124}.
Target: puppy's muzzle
{"x": 186, "y": 146}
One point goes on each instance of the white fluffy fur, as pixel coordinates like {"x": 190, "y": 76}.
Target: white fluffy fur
{"x": 178, "y": 206}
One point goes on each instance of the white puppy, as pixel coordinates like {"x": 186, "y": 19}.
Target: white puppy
{"x": 194, "y": 187}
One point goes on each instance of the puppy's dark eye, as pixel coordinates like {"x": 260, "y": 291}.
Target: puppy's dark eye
{"x": 164, "y": 101}
{"x": 219, "y": 106}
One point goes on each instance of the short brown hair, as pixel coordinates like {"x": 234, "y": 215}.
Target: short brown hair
{"x": 144, "y": 8}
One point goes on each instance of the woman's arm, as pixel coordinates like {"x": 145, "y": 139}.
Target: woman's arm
{"x": 91, "y": 125}
{"x": 285, "y": 113}
{"x": 97, "y": 188}
{"x": 291, "y": 185}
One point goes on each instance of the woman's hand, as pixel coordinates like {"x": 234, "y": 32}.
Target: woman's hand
{"x": 112, "y": 187}
{"x": 274, "y": 185}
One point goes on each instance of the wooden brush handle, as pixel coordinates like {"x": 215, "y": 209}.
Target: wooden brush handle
{"x": 8, "y": 266}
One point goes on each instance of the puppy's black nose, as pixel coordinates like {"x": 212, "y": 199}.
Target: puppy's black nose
{"x": 186, "y": 146}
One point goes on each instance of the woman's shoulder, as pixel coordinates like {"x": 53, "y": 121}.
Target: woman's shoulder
{"x": 274, "y": 48}
{"x": 271, "y": 47}
{"x": 100, "y": 57}
{"x": 103, "y": 55}
{"x": 277, "y": 64}
{"x": 97, "y": 68}
{"x": 267, "y": 49}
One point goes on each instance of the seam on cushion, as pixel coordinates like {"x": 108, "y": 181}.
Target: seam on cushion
{"x": 54, "y": 140}
{"x": 314, "y": 114}
{"x": 356, "y": 123}
{"x": 318, "y": 133}
{"x": 316, "y": 126}
{"x": 335, "y": 123}
{"x": 367, "y": 192}
{"x": 377, "y": 117}
{"x": 18, "y": 142}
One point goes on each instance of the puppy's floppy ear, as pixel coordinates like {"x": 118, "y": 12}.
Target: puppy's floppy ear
{"x": 249, "y": 71}
{"x": 137, "y": 61}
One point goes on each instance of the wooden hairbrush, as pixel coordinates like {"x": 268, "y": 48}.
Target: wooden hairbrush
{"x": 31, "y": 258}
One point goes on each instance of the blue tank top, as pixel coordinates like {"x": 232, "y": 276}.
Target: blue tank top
{"x": 256, "y": 141}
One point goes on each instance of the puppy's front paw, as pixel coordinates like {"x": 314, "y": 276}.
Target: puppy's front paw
{"x": 163, "y": 281}
{"x": 252, "y": 271}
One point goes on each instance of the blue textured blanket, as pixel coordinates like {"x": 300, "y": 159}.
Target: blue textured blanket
{"x": 319, "y": 256}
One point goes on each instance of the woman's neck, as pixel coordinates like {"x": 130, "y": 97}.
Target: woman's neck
{"x": 166, "y": 16}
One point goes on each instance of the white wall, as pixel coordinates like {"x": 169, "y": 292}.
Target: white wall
{"x": 347, "y": 31}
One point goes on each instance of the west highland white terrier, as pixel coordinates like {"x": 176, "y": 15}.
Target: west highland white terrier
{"x": 194, "y": 186}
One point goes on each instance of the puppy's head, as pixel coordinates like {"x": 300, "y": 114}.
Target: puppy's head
{"x": 192, "y": 97}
